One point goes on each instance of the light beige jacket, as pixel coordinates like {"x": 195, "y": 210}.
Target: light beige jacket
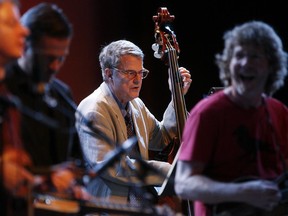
{"x": 103, "y": 112}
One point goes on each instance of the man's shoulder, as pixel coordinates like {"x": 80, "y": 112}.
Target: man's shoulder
{"x": 137, "y": 102}
{"x": 275, "y": 103}
{"x": 100, "y": 99}
{"x": 91, "y": 101}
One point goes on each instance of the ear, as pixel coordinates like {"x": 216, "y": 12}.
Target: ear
{"x": 108, "y": 73}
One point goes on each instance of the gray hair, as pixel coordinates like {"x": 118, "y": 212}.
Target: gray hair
{"x": 110, "y": 55}
{"x": 259, "y": 34}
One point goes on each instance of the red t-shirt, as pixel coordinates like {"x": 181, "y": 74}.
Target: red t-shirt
{"x": 234, "y": 142}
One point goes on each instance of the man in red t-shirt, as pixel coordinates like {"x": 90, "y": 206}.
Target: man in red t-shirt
{"x": 235, "y": 141}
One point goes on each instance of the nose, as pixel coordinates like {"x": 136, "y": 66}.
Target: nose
{"x": 138, "y": 77}
{"x": 25, "y": 31}
{"x": 56, "y": 64}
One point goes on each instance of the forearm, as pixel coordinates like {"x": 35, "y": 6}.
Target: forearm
{"x": 258, "y": 193}
{"x": 169, "y": 124}
{"x": 201, "y": 188}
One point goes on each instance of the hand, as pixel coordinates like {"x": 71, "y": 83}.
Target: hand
{"x": 163, "y": 167}
{"x": 261, "y": 193}
{"x": 80, "y": 192}
{"x": 17, "y": 156}
{"x": 186, "y": 78}
{"x": 16, "y": 178}
{"x": 63, "y": 179}
{"x": 185, "y": 74}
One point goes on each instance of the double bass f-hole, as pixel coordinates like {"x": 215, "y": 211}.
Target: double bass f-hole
{"x": 167, "y": 49}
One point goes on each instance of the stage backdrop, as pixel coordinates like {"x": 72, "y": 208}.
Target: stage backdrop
{"x": 199, "y": 27}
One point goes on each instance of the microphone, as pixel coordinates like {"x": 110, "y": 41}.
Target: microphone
{"x": 47, "y": 98}
{"x": 40, "y": 73}
{"x": 114, "y": 155}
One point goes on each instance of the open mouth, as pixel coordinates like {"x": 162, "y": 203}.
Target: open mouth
{"x": 246, "y": 77}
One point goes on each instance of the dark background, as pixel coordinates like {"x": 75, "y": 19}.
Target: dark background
{"x": 198, "y": 25}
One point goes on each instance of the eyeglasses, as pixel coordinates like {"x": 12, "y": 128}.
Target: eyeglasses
{"x": 131, "y": 74}
{"x": 49, "y": 58}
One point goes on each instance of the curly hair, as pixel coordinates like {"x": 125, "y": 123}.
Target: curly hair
{"x": 256, "y": 33}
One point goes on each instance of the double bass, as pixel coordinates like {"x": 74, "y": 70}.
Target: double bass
{"x": 167, "y": 49}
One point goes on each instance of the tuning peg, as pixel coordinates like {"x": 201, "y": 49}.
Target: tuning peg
{"x": 155, "y": 47}
{"x": 157, "y": 55}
